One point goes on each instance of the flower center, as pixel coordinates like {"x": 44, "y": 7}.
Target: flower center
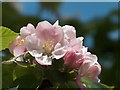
{"x": 48, "y": 47}
{"x": 20, "y": 42}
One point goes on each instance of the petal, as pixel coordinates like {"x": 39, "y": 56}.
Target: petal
{"x": 57, "y": 46}
{"x": 35, "y": 53}
{"x": 44, "y": 60}
{"x": 45, "y": 31}
{"x": 84, "y": 50}
{"x": 56, "y": 23}
{"x": 19, "y": 50}
{"x": 94, "y": 70}
{"x": 91, "y": 58}
{"x": 63, "y": 43}
{"x": 89, "y": 61}
{"x": 84, "y": 68}
{"x": 59, "y": 53}
{"x": 33, "y": 45}
{"x": 32, "y": 42}
{"x": 69, "y": 31}
{"x": 19, "y": 59}
{"x": 76, "y": 44}
{"x": 25, "y": 31}
{"x": 72, "y": 60}
{"x": 31, "y": 27}
{"x": 14, "y": 43}
{"x": 42, "y": 30}
{"x": 56, "y": 34}
{"x": 15, "y": 48}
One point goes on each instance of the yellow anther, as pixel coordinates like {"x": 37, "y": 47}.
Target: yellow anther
{"x": 20, "y": 42}
{"x": 48, "y": 47}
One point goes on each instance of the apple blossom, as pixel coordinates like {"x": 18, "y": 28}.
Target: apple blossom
{"x": 70, "y": 36}
{"x": 74, "y": 59}
{"x": 76, "y": 51}
{"x": 77, "y": 57}
{"x": 46, "y": 43}
{"x": 17, "y": 46}
{"x": 90, "y": 71}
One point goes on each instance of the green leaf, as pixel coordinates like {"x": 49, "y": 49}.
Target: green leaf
{"x": 7, "y": 74}
{"x": 56, "y": 76}
{"x": 20, "y": 71}
{"x": 58, "y": 64}
{"x": 27, "y": 77}
{"x": 26, "y": 81}
{"x": 91, "y": 84}
{"x": 72, "y": 84}
{"x": 7, "y": 36}
{"x": 68, "y": 84}
{"x": 14, "y": 88}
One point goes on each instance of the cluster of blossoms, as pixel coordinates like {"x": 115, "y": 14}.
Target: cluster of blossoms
{"x": 47, "y": 42}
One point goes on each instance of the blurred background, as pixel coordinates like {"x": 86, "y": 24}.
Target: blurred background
{"x": 96, "y": 22}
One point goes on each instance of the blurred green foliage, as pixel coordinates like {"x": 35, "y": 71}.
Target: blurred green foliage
{"x": 106, "y": 49}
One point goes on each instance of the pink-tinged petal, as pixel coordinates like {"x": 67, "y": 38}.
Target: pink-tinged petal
{"x": 59, "y": 53}
{"x": 28, "y": 30}
{"x": 84, "y": 50}
{"x": 90, "y": 70}
{"x": 33, "y": 45}
{"x": 94, "y": 71}
{"x": 44, "y": 60}
{"x": 76, "y": 44}
{"x": 57, "y": 46}
{"x": 69, "y": 58}
{"x": 31, "y": 27}
{"x": 70, "y": 32}
{"x": 42, "y": 30}
{"x": 32, "y": 42}
{"x": 15, "y": 45}
{"x": 19, "y": 50}
{"x": 11, "y": 46}
{"x": 58, "y": 34}
{"x": 35, "y": 53}
{"x": 72, "y": 60}
{"x": 77, "y": 64}
{"x": 89, "y": 60}
{"x": 84, "y": 68}
{"x": 56, "y": 23}
{"x": 45, "y": 31}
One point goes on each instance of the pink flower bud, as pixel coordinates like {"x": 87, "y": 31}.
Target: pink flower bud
{"x": 90, "y": 71}
{"x": 72, "y": 60}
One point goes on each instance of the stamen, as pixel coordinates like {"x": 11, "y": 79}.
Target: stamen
{"x": 20, "y": 42}
{"x": 48, "y": 47}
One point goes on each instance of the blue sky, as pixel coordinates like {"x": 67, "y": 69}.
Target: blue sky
{"x": 85, "y": 11}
